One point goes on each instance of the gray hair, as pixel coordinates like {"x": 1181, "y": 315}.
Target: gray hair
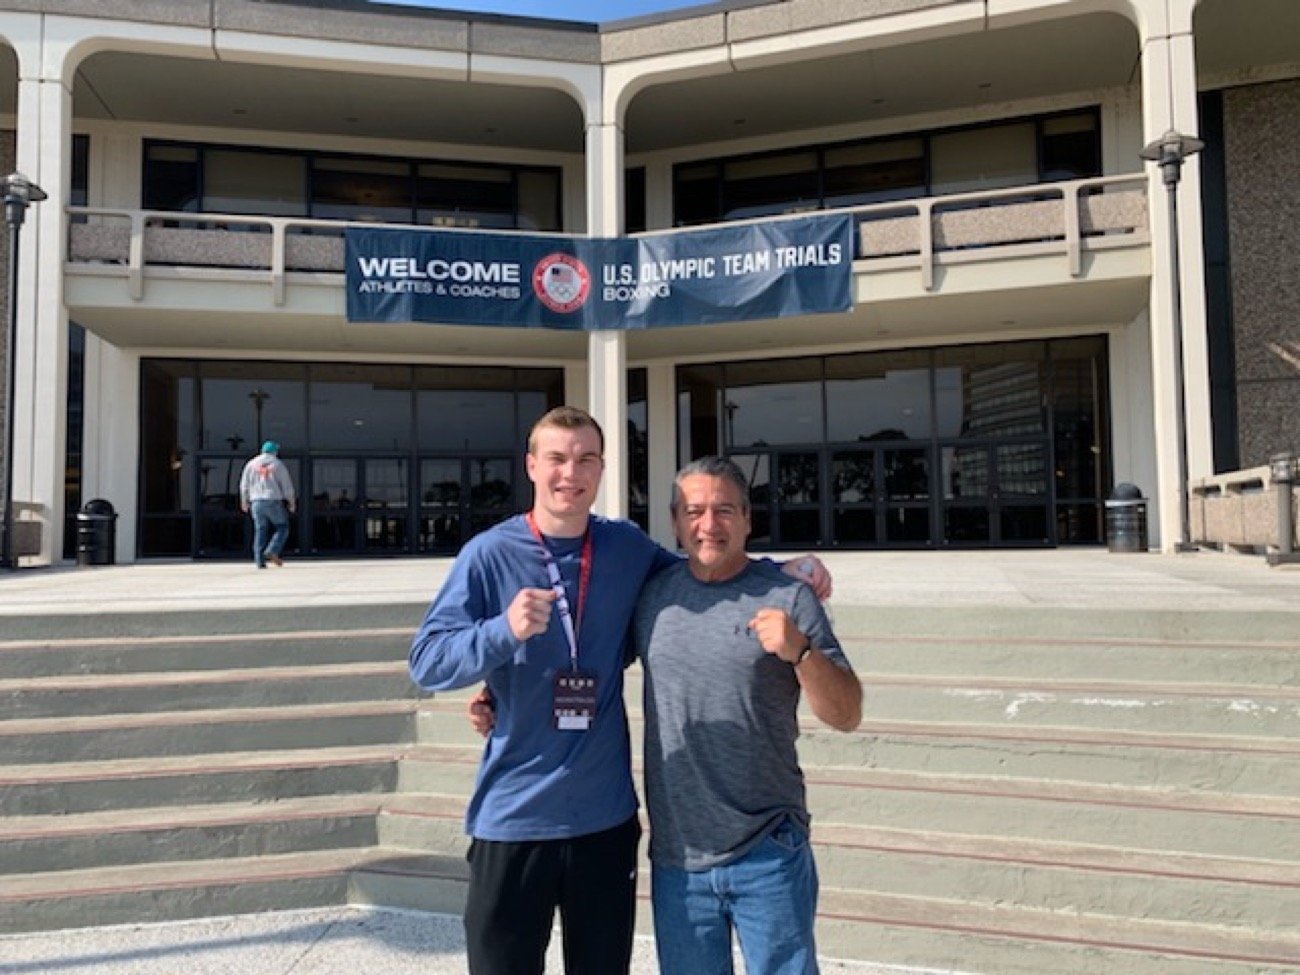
{"x": 712, "y": 466}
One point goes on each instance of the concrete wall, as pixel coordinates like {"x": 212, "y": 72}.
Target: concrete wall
{"x": 1262, "y": 143}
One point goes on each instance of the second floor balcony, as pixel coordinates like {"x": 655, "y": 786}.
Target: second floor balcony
{"x": 989, "y": 260}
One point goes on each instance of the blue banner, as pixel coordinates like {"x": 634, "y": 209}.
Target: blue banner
{"x": 800, "y": 266}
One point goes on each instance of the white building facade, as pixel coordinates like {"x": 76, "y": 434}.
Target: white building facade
{"x": 1009, "y": 358}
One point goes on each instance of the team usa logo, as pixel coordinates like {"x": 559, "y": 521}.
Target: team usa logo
{"x": 562, "y": 282}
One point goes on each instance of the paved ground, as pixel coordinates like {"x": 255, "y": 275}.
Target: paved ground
{"x": 348, "y": 940}
{"x": 1078, "y": 578}
{"x": 332, "y": 941}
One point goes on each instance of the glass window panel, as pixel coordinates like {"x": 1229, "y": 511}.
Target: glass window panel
{"x": 965, "y": 524}
{"x": 800, "y": 528}
{"x": 386, "y": 482}
{"x": 1078, "y": 398}
{"x": 965, "y": 472}
{"x": 540, "y": 390}
{"x": 539, "y": 200}
{"x": 249, "y": 402}
{"x": 440, "y": 482}
{"x": 798, "y": 479}
{"x": 638, "y": 436}
{"x": 853, "y": 477}
{"x": 491, "y": 486}
{"x": 874, "y": 172}
{"x": 360, "y": 407}
{"x": 376, "y": 190}
{"x": 1023, "y": 523}
{"x": 907, "y": 474}
{"x": 464, "y": 419}
{"x": 983, "y": 158}
{"x": 774, "y": 401}
{"x": 855, "y": 526}
{"x": 79, "y": 189}
{"x": 1022, "y": 470}
{"x": 165, "y": 536}
{"x": 634, "y": 205}
{"x": 697, "y": 194}
{"x": 171, "y": 178}
{"x": 169, "y": 422}
{"x": 334, "y": 493}
{"x": 1071, "y": 147}
{"x": 878, "y": 396}
{"x": 990, "y": 390}
{"x": 757, "y": 469}
{"x": 700, "y": 408}
{"x": 907, "y": 525}
{"x": 464, "y": 196}
{"x": 1079, "y": 524}
{"x": 268, "y": 183}
{"x": 772, "y": 184}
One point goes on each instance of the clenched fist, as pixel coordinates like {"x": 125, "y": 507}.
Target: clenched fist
{"x": 778, "y": 634}
{"x": 530, "y": 612}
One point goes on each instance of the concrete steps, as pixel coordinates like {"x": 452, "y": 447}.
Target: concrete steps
{"x": 187, "y": 764}
{"x": 1046, "y": 792}
{"x": 1034, "y": 790}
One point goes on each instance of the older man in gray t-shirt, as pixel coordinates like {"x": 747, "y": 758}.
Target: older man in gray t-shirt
{"x": 728, "y": 646}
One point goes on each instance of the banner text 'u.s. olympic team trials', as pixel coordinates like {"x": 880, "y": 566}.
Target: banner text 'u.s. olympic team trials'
{"x": 799, "y": 266}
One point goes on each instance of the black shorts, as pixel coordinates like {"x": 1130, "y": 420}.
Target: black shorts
{"x": 516, "y": 888}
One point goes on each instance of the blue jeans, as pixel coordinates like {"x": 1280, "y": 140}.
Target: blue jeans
{"x": 768, "y": 897}
{"x": 268, "y": 515}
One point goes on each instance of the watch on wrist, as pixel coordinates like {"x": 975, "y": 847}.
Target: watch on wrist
{"x": 803, "y": 654}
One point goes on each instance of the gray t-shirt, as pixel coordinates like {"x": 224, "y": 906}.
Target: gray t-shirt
{"x": 720, "y": 763}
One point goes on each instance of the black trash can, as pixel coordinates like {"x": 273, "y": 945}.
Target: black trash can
{"x": 1126, "y": 520}
{"x": 96, "y": 533}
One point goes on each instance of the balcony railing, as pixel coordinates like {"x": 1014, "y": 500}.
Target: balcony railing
{"x": 1069, "y": 217}
{"x": 1074, "y": 216}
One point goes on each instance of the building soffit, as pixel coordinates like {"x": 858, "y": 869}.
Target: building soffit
{"x": 699, "y": 69}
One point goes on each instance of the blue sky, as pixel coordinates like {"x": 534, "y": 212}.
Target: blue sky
{"x": 588, "y": 10}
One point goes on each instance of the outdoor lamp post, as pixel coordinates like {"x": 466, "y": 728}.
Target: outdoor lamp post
{"x": 19, "y": 193}
{"x": 1169, "y": 151}
{"x": 259, "y": 396}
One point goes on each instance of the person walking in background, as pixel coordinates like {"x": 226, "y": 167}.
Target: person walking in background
{"x": 266, "y": 489}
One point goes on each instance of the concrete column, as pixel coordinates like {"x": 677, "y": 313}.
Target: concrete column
{"x": 661, "y": 406}
{"x": 607, "y": 349}
{"x": 1169, "y": 102}
{"x": 111, "y": 441}
{"x": 40, "y": 415}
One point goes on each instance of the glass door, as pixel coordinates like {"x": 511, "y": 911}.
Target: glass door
{"x": 996, "y": 494}
{"x": 460, "y": 497}
{"x": 441, "y": 488}
{"x": 797, "y": 496}
{"x": 335, "y": 484}
{"x": 385, "y": 505}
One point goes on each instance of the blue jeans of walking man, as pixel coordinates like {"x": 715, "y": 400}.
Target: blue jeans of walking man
{"x": 269, "y": 517}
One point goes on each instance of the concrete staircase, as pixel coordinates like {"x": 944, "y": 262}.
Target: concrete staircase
{"x": 1034, "y": 790}
{"x": 177, "y": 765}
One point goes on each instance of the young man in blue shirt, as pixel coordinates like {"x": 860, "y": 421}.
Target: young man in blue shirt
{"x": 539, "y": 607}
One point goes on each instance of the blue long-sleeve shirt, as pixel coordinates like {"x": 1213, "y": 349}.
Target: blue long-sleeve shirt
{"x": 535, "y": 781}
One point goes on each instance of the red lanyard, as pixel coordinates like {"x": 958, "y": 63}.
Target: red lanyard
{"x": 557, "y": 585}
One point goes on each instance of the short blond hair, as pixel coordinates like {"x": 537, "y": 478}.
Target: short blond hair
{"x": 566, "y": 418}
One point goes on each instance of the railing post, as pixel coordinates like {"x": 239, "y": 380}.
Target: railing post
{"x": 279, "y": 241}
{"x": 1073, "y": 238}
{"x": 135, "y": 256}
{"x": 1282, "y": 468}
{"x": 925, "y": 238}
